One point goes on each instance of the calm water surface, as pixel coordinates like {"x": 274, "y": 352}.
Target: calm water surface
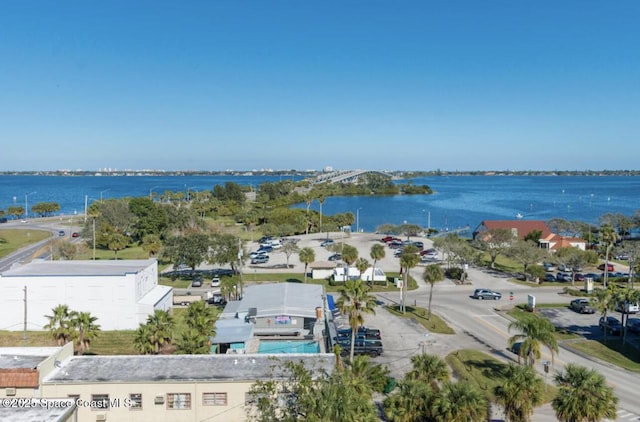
{"x": 458, "y": 200}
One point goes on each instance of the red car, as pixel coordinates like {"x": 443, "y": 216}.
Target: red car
{"x": 388, "y": 239}
{"x": 75, "y": 234}
{"x": 609, "y": 267}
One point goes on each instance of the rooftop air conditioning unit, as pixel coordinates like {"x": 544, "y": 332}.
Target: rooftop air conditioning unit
{"x": 158, "y": 400}
{"x": 101, "y": 417}
{"x": 11, "y": 391}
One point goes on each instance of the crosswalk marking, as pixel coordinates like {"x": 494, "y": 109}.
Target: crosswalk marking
{"x": 623, "y": 415}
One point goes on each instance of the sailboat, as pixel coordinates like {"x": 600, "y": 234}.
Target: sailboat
{"x": 519, "y": 216}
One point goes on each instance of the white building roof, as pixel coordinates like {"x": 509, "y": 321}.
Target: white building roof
{"x": 155, "y": 295}
{"x": 294, "y": 299}
{"x": 79, "y": 268}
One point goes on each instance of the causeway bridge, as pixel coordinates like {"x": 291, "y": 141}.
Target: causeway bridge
{"x": 346, "y": 176}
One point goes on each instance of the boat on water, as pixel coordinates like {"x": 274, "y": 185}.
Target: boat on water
{"x": 519, "y": 216}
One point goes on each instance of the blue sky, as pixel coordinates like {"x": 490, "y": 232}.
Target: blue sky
{"x": 417, "y": 85}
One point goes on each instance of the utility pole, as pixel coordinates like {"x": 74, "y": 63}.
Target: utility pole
{"x": 24, "y": 330}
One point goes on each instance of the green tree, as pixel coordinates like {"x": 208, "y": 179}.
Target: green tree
{"x": 408, "y": 259}
{"x": 608, "y": 238}
{"x": 151, "y": 244}
{"x": 460, "y": 402}
{"x": 201, "y": 318}
{"x": 526, "y": 253}
{"x": 288, "y": 249}
{"x": 432, "y": 274}
{"x": 142, "y": 340}
{"x": 374, "y": 376}
{"x": 191, "y": 342}
{"x": 355, "y": 301}
{"x": 225, "y": 249}
{"x": 150, "y": 218}
{"x": 117, "y": 242}
{"x": 190, "y": 249}
{"x": 603, "y": 301}
{"x": 583, "y": 396}
{"x": 16, "y": 211}
{"x": 85, "y": 329}
{"x": 306, "y": 256}
{"x": 160, "y": 329}
{"x": 625, "y": 297}
{"x": 495, "y": 242}
{"x": 521, "y": 391}
{"x": 534, "y": 333}
{"x": 349, "y": 256}
{"x": 60, "y": 325}
{"x": 377, "y": 253}
{"x": 411, "y": 402}
{"x": 362, "y": 265}
{"x": 429, "y": 369}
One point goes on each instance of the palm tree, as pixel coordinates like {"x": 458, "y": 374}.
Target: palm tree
{"x": 161, "y": 325}
{"x": 142, "y": 340}
{"x": 432, "y": 274}
{"x": 408, "y": 259}
{"x": 626, "y": 297}
{"x": 411, "y": 403}
{"x": 608, "y": 237}
{"x": 377, "y": 253}
{"x": 321, "y": 199}
{"x": 374, "y": 376}
{"x": 520, "y": 393}
{"x": 192, "y": 342}
{"x": 85, "y": 328}
{"x": 306, "y": 256}
{"x": 201, "y": 318}
{"x": 355, "y": 301}
{"x": 349, "y": 256}
{"x": 583, "y": 395}
{"x": 60, "y": 324}
{"x": 362, "y": 264}
{"x": 604, "y": 301}
{"x": 534, "y": 333}
{"x": 460, "y": 402}
{"x": 429, "y": 369}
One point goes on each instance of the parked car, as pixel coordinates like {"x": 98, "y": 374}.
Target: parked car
{"x": 563, "y": 277}
{"x": 263, "y": 259}
{"x": 633, "y": 325}
{"x": 611, "y": 324}
{"x": 61, "y": 233}
{"x": 622, "y": 256}
{"x": 265, "y": 248}
{"x": 215, "y": 282}
{"x": 627, "y": 308}
{"x": 418, "y": 244}
{"x": 335, "y": 257}
{"x": 592, "y": 276}
{"x": 75, "y": 234}
{"x": 196, "y": 282}
{"x": 486, "y": 294}
{"x": 388, "y": 239}
{"x": 581, "y": 306}
{"x": 579, "y": 276}
{"x": 372, "y": 348}
{"x": 256, "y": 254}
{"x": 610, "y": 267}
{"x": 549, "y": 277}
{"x": 565, "y": 268}
{"x": 327, "y": 242}
{"x": 549, "y": 266}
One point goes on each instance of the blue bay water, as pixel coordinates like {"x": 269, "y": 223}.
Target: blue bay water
{"x": 458, "y": 201}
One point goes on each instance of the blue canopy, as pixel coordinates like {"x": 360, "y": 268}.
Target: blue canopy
{"x": 330, "y": 303}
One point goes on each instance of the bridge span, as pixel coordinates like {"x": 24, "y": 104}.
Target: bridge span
{"x": 346, "y": 176}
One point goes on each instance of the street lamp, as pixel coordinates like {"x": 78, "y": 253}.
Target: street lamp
{"x": 26, "y": 204}
{"x": 103, "y": 191}
{"x": 151, "y": 191}
{"x": 358, "y": 220}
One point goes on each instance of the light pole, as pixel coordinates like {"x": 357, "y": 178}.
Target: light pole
{"x": 103, "y": 191}
{"x": 428, "y": 220}
{"x": 358, "y": 220}
{"x": 26, "y": 204}
{"x": 151, "y": 192}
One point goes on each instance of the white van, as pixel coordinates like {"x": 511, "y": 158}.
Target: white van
{"x": 629, "y": 308}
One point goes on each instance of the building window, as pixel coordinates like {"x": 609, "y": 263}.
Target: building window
{"x": 99, "y": 401}
{"x": 214, "y": 399}
{"x": 178, "y": 401}
{"x": 135, "y": 401}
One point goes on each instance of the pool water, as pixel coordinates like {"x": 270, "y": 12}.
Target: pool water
{"x": 290, "y": 346}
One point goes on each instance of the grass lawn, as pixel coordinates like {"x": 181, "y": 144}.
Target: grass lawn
{"x": 521, "y": 314}
{"x": 14, "y": 239}
{"x": 484, "y": 371}
{"x": 434, "y": 325}
{"x": 627, "y": 357}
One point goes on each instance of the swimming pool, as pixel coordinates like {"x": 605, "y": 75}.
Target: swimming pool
{"x": 288, "y": 346}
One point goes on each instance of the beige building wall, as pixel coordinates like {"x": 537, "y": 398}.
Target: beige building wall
{"x": 156, "y": 401}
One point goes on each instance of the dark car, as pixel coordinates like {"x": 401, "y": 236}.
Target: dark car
{"x": 265, "y": 248}
{"x": 563, "y": 277}
{"x": 581, "y": 306}
{"x": 61, "y": 233}
{"x": 75, "y": 234}
{"x": 486, "y": 294}
{"x": 549, "y": 277}
{"x": 592, "y": 276}
{"x": 335, "y": 257}
{"x": 263, "y": 259}
{"x": 633, "y": 325}
{"x": 611, "y": 324}
{"x": 372, "y": 348}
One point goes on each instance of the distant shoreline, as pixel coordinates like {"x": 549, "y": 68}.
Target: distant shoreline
{"x": 401, "y": 174}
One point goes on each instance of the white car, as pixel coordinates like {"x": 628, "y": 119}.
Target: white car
{"x": 215, "y": 282}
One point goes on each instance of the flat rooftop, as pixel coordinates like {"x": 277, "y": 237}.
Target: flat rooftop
{"x": 39, "y": 411}
{"x": 176, "y": 368}
{"x": 24, "y": 357}
{"x": 78, "y": 268}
